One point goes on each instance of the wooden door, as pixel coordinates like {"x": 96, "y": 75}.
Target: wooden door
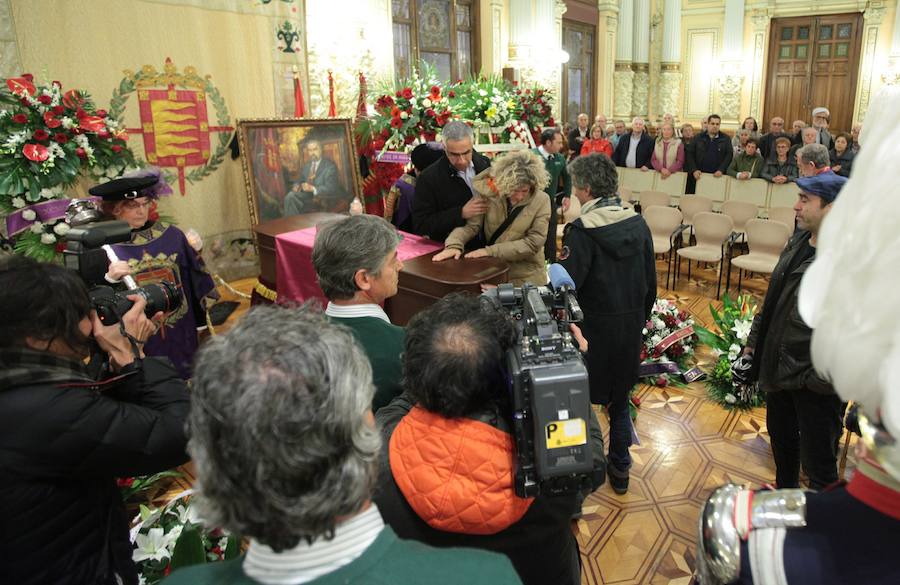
{"x": 813, "y": 61}
{"x": 578, "y": 73}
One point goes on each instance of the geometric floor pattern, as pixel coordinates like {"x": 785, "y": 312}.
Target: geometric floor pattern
{"x": 689, "y": 446}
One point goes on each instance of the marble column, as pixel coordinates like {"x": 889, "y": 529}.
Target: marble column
{"x": 607, "y": 28}
{"x": 623, "y": 78}
{"x": 892, "y": 75}
{"x": 731, "y": 78}
{"x": 670, "y": 67}
{"x": 520, "y": 30}
{"x": 641, "y": 58}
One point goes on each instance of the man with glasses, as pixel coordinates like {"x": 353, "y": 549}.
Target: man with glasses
{"x": 444, "y": 199}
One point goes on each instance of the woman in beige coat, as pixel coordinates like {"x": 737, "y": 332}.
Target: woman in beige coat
{"x": 512, "y": 186}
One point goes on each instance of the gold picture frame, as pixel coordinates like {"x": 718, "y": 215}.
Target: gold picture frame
{"x": 298, "y": 165}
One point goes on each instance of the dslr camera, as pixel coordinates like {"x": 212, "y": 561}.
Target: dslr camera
{"x": 548, "y": 384}
{"x": 88, "y": 253}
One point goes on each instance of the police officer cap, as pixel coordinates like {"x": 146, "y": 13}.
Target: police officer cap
{"x": 824, "y": 185}
{"x": 123, "y": 188}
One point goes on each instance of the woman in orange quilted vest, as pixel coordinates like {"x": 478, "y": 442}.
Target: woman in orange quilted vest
{"x": 447, "y": 461}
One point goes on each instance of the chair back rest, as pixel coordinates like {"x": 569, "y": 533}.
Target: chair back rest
{"x": 625, "y": 194}
{"x": 691, "y": 205}
{"x": 712, "y": 229}
{"x": 783, "y": 195}
{"x": 785, "y": 215}
{"x": 574, "y": 210}
{"x": 716, "y": 188}
{"x": 651, "y": 198}
{"x": 740, "y": 212}
{"x": 765, "y": 236}
{"x": 662, "y": 221}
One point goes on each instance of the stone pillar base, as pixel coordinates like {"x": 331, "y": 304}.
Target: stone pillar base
{"x": 670, "y": 89}
{"x": 641, "y": 93}
{"x": 623, "y": 80}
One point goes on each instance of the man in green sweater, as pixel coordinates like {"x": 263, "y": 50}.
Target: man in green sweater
{"x": 357, "y": 265}
{"x": 747, "y": 164}
{"x": 555, "y": 163}
{"x": 286, "y": 452}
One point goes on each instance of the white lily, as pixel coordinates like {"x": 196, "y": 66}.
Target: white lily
{"x": 742, "y": 328}
{"x": 153, "y": 546}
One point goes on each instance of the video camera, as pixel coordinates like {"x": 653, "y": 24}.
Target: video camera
{"x": 549, "y": 390}
{"x": 88, "y": 252}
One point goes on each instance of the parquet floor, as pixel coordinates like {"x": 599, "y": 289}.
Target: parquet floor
{"x": 689, "y": 446}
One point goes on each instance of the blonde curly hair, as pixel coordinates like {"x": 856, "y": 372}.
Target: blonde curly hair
{"x": 519, "y": 168}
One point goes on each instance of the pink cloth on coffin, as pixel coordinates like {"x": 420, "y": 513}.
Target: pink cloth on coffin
{"x": 294, "y": 272}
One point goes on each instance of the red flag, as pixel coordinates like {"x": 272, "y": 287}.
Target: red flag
{"x": 361, "y": 111}
{"x": 332, "y": 110}
{"x": 299, "y": 108}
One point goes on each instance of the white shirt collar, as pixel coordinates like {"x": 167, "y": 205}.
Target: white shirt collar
{"x": 307, "y": 562}
{"x": 351, "y": 311}
{"x": 543, "y": 152}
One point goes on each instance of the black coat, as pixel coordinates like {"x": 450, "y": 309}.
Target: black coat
{"x": 845, "y": 160}
{"x": 62, "y": 444}
{"x": 767, "y": 142}
{"x": 724, "y": 152}
{"x": 779, "y": 337}
{"x": 642, "y": 156}
{"x": 440, "y": 196}
{"x": 575, "y": 141}
{"x": 614, "y": 270}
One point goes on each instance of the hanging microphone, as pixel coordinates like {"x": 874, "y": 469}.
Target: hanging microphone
{"x": 562, "y": 281}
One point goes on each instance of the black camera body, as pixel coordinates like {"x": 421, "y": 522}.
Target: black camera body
{"x": 84, "y": 253}
{"x": 549, "y": 393}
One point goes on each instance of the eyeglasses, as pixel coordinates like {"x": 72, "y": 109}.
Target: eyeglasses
{"x": 459, "y": 154}
{"x": 133, "y": 205}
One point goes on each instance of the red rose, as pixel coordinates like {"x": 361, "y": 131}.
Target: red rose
{"x": 51, "y": 121}
{"x": 58, "y": 110}
{"x": 635, "y": 400}
{"x": 551, "y": 122}
{"x": 398, "y": 94}
{"x": 662, "y": 381}
{"x": 430, "y": 112}
{"x": 60, "y": 138}
{"x": 396, "y": 122}
{"x": 40, "y": 135}
{"x": 80, "y": 152}
{"x": 20, "y": 119}
{"x": 103, "y": 133}
{"x": 101, "y": 113}
{"x": 116, "y": 148}
{"x": 36, "y": 152}
{"x": 125, "y": 482}
{"x": 378, "y": 144}
{"x": 452, "y": 93}
{"x": 45, "y": 99}
{"x": 435, "y": 89}
{"x": 407, "y": 93}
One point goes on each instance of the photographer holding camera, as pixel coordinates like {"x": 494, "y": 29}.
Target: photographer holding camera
{"x": 448, "y": 465}
{"x": 66, "y": 436}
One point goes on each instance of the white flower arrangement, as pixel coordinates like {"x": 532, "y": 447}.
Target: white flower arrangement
{"x": 29, "y": 215}
{"x": 48, "y": 238}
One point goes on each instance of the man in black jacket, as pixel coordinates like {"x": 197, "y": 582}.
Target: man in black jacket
{"x": 444, "y": 197}
{"x": 65, "y": 436}
{"x": 712, "y": 150}
{"x": 608, "y": 251}
{"x": 803, "y": 413}
{"x": 635, "y": 149}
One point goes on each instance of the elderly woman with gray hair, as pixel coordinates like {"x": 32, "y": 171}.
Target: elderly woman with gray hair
{"x": 358, "y": 269}
{"x": 515, "y": 224}
{"x": 286, "y": 451}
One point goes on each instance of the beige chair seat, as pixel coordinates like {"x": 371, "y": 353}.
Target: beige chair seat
{"x": 758, "y": 262}
{"x": 701, "y": 253}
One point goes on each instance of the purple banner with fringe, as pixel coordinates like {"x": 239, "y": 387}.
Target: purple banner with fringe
{"x": 44, "y": 212}
{"x": 657, "y": 368}
{"x": 393, "y": 156}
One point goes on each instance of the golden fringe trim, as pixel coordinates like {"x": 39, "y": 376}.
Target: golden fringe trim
{"x": 265, "y": 292}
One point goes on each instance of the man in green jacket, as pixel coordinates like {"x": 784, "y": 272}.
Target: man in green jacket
{"x": 286, "y": 452}
{"x": 357, "y": 265}
{"x": 748, "y": 164}
{"x": 549, "y": 151}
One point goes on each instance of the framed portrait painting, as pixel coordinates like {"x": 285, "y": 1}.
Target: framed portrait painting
{"x": 294, "y": 166}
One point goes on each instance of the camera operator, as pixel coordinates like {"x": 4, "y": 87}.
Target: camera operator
{"x": 65, "y": 436}
{"x": 608, "y": 251}
{"x": 448, "y": 458}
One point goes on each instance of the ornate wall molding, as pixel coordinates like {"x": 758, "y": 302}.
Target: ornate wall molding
{"x": 872, "y": 19}
{"x": 670, "y": 89}
{"x": 761, "y": 21}
{"x": 730, "y": 86}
